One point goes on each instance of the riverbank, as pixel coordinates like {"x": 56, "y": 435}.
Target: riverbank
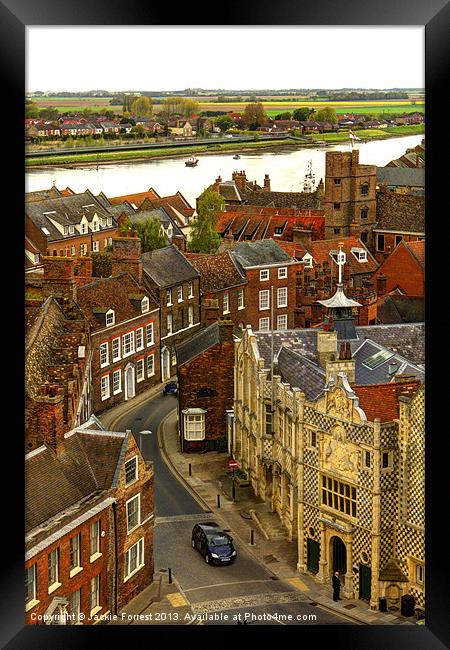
{"x": 73, "y": 161}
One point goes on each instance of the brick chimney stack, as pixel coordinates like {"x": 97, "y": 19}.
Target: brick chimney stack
{"x": 126, "y": 255}
{"x": 50, "y": 426}
{"x": 266, "y": 183}
{"x": 59, "y": 278}
{"x": 240, "y": 179}
{"x": 381, "y": 284}
{"x": 210, "y": 311}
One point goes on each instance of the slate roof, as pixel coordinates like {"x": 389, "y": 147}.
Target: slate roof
{"x": 301, "y": 373}
{"x": 176, "y": 206}
{"x": 65, "y": 210}
{"x": 407, "y": 340}
{"x": 202, "y": 341}
{"x": 258, "y": 253}
{"x": 401, "y": 176}
{"x": 217, "y": 272}
{"x": 110, "y": 293}
{"x": 168, "y": 267}
{"x": 40, "y": 195}
{"x": 59, "y": 487}
{"x": 141, "y": 216}
{"x": 401, "y": 309}
{"x": 400, "y": 212}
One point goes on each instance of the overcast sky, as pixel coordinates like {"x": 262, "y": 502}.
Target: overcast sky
{"x": 174, "y": 58}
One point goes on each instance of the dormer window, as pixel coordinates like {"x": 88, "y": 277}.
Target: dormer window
{"x": 109, "y": 221}
{"x": 83, "y": 228}
{"x": 95, "y": 226}
{"x": 110, "y": 318}
{"x": 145, "y": 305}
{"x": 360, "y": 254}
{"x": 66, "y": 230}
{"x": 103, "y": 223}
{"x": 71, "y": 230}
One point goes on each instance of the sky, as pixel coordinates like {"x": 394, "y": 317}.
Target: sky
{"x": 174, "y": 58}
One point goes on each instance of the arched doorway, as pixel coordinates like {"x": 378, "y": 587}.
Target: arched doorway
{"x": 338, "y": 556}
{"x": 165, "y": 364}
{"x": 129, "y": 382}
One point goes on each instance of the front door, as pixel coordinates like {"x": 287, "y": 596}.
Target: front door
{"x": 313, "y": 555}
{"x": 365, "y": 577}
{"x": 339, "y": 561}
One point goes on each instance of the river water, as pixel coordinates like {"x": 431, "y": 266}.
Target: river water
{"x": 286, "y": 169}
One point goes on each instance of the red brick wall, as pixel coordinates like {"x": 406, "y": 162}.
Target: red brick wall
{"x": 107, "y": 335}
{"x": 400, "y": 268}
{"x": 81, "y": 579}
{"x": 62, "y": 248}
{"x": 390, "y": 243}
{"x": 145, "y": 487}
{"x": 238, "y": 316}
{"x": 213, "y": 369}
{"x": 255, "y": 285}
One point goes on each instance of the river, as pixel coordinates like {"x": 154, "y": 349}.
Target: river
{"x": 286, "y": 168}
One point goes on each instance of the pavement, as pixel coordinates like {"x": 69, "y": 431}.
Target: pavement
{"x": 207, "y": 478}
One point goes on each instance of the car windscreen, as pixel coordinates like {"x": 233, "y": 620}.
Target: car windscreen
{"x": 218, "y": 540}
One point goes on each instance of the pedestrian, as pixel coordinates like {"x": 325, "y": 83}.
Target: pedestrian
{"x": 336, "y": 586}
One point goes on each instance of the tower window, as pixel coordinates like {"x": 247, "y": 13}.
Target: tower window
{"x": 364, "y": 213}
{"x": 365, "y": 189}
{"x": 337, "y": 231}
{"x": 337, "y": 181}
{"x": 337, "y": 206}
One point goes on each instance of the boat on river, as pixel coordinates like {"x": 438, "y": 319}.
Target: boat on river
{"x": 191, "y": 162}
{"x": 236, "y": 156}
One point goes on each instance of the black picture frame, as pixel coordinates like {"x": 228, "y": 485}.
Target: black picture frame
{"x": 434, "y": 15}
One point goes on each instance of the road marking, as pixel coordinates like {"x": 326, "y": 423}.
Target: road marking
{"x": 297, "y": 583}
{"x": 255, "y": 600}
{"x": 176, "y": 600}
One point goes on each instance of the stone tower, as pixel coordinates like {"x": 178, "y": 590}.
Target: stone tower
{"x": 350, "y": 196}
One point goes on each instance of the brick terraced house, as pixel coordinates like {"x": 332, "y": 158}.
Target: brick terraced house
{"x": 89, "y": 526}
{"x": 205, "y": 368}
{"x": 175, "y": 283}
{"x": 404, "y": 270}
{"x": 267, "y": 267}
{"x": 221, "y": 280}
{"x": 69, "y": 226}
{"x": 124, "y": 322}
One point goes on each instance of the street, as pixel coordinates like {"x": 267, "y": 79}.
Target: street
{"x": 245, "y": 587}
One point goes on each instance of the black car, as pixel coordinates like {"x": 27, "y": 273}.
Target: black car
{"x": 213, "y": 543}
{"x": 171, "y": 388}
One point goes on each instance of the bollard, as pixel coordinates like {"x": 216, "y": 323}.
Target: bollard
{"x": 252, "y": 537}
{"x": 190, "y": 469}
{"x": 218, "y": 500}
{"x": 170, "y": 576}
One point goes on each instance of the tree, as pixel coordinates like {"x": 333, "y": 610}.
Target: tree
{"x": 49, "y": 113}
{"x": 224, "y": 122}
{"x": 142, "y": 107}
{"x": 302, "y": 114}
{"x": 283, "y": 116}
{"x": 254, "y": 116}
{"x": 327, "y": 114}
{"x": 151, "y": 234}
{"x": 204, "y": 237}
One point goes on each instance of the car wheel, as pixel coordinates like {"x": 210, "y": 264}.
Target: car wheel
{"x": 207, "y": 559}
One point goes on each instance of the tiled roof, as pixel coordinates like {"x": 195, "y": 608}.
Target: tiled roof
{"x": 256, "y": 222}
{"x": 320, "y": 250}
{"x": 110, "y": 293}
{"x": 417, "y": 248}
{"x": 401, "y": 176}
{"x": 401, "y": 309}
{"x": 260, "y": 252}
{"x": 217, "y": 272}
{"x": 400, "y": 212}
{"x": 176, "y": 206}
{"x": 300, "y": 200}
{"x": 84, "y": 467}
{"x": 168, "y": 267}
{"x": 136, "y": 198}
{"x": 381, "y": 400}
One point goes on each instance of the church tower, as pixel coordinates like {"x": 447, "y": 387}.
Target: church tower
{"x": 350, "y": 196}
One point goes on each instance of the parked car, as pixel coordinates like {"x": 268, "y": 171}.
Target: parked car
{"x": 171, "y": 388}
{"x": 214, "y": 544}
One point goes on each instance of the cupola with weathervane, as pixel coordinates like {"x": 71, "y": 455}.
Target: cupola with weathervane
{"x": 339, "y": 327}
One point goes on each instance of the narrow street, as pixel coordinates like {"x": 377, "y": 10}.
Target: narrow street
{"x": 244, "y": 587}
